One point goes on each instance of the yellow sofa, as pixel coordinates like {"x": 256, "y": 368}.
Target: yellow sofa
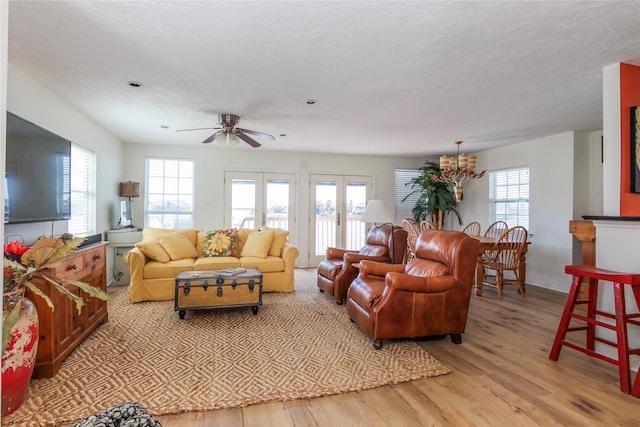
{"x": 154, "y": 279}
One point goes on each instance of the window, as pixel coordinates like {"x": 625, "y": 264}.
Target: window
{"x": 403, "y": 178}
{"x": 169, "y": 193}
{"x": 83, "y": 191}
{"x": 509, "y": 196}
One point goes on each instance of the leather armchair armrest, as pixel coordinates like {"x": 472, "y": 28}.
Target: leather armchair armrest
{"x": 336, "y": 253}
{"x": 409, "y": 283}
{"x": 374, "y": 268}
{"x": 351, "y": 257}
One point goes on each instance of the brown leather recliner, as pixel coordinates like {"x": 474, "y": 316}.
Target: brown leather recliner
{"x": 426, "y": 297}
{"x": 336, "y": 271}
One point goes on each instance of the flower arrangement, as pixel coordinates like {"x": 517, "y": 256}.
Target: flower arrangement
{"x": 25, "y": 267}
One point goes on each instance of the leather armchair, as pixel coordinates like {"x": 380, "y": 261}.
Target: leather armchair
{"x": 428, "y": 296}
{"x": 337, "y": 270}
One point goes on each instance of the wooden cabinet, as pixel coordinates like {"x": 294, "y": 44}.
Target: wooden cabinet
{"x": 63, "y": 329}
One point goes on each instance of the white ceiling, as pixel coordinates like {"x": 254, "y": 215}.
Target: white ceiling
{"x": 405, "y": 78}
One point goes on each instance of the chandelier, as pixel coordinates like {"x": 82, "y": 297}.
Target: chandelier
{"x": 457, "y": 170}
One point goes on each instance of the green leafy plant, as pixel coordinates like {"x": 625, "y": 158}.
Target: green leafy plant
{"x": 25, "y": 267}
{"x": 435, "y": 199}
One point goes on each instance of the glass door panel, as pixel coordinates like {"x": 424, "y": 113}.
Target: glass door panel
{"x": 356, "y": 197}
{"x": 325, "y": 216}
{"x": 278, "y": 198}
{"x": 243, "y": 203}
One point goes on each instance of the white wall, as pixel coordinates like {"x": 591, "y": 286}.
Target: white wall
{"x": 212, "y": 161}
{"x": 34, "y": 102}
{"x": 551, "y": 167}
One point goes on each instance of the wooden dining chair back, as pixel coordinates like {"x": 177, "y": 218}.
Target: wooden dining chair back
{"x": 426, "y": 225}
{"x": 413, "y": 230}
{"x": 472, "y": 229}
{"x": 496, "y": 229}
{"x": 505, "y": 256}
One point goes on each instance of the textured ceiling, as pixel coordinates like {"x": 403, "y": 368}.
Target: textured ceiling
{"x": 404, "y": 78}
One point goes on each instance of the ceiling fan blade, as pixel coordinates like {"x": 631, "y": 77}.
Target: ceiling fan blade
{"x": 212, "y": 137}
{"x": 246, "y": 138}
{"x": 253, "y": 132}
{"x": 185, "y": 130}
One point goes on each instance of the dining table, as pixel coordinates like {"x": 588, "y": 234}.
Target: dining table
{"x": 488, "y": 243}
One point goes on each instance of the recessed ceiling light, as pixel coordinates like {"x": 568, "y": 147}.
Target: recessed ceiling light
{"x": 135, "y": 84}
{"x": 283, "y": 134}
{"x": 164, "y": 126}
{"x": 311, "y": 101}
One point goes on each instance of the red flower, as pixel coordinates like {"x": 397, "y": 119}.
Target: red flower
{"x": 14, "y": 250}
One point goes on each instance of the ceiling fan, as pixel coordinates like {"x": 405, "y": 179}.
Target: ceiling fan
{"x": 227, "y": 132}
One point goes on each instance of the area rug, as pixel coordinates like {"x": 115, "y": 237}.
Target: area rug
{"x": 299, "y": 345}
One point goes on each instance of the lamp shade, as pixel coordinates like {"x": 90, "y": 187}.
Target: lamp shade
{"x": 376, "y": 212}
{"x": 129, "y": 189}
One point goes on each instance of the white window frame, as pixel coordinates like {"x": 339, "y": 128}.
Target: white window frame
{"x": 509, "y": 196}
{"x": 172, "y": 188}
{"x": 83, "y": 191}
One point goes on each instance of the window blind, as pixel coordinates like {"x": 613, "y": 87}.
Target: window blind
{"x": 83, "y": 191}
{"x": 403, "y": 178}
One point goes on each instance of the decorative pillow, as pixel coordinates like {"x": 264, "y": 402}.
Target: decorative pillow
{"x": 221, "y": 242}
{"x": 153, "y": 249}
{"x": 258, "y": 244}
{"x": 177, "y": 245}
{"x": 279, "y": 239}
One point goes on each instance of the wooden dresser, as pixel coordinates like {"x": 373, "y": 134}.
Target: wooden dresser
{"x": 63, "y": 329}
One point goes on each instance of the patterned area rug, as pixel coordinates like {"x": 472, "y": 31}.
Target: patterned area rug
{"x": 300, "y": 345}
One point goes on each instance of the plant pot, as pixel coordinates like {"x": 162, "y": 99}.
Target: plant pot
{"x": 19, "y": 358}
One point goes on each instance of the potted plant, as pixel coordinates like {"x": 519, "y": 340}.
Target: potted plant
{"x": 25, "y": 268}
{"x": 435, "y": 198}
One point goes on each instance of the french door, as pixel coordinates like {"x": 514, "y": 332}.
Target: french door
{"x": 254, "y": 199}
{"x": 337, "y": 205}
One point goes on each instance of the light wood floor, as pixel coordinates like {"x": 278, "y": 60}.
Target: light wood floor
{"x": 501, "y": 375}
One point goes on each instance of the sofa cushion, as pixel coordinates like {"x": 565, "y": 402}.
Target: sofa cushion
{"x": 160, "y": 270}
{"x": 279, "y": 239}
{"x": 154, "y": 250}
{"x": 265, "y": 265}
{"x": 216, "y": 263}
{"x": 190, "y": 233}
{"x": 258, "y": 244}
{"x": 222, "y": 242}
{"x": 177, "y": 245}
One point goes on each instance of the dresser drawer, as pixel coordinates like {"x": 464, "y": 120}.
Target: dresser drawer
{"x": 94, "y": 259}
{"x": 70, "y": 268}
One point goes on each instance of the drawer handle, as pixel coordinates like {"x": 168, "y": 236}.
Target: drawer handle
{"x": 96, "y": 257}
{"x": 72, "y": 267}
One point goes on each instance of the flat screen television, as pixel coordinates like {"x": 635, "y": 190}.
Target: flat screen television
{"x": 38, "y": 174}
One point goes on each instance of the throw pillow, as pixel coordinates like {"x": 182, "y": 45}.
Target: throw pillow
{"x": 258, "y": 244}
{"x": 177, "y": 245}
{"x": 279, "y": 239}
{"x": 221, "y": 242}
{"x": 153, "y": 249}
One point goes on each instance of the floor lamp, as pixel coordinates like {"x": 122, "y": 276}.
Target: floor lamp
{"x": 376, "y": 212}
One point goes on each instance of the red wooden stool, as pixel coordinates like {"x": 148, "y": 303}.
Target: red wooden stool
{"x": 619, "y": 280}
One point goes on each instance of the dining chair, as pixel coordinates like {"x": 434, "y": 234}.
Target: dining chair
{"x": 426, "y": 225}
{"x": 413, "y": 230}
{"x": 505, "y": 256}
{"x": 472, "y": 229}
{"x": 496, "y": 229}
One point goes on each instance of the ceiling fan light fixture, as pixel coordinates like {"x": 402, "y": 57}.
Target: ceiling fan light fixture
{"x": 221, "y": 138}
{"x": 233, "y": 139}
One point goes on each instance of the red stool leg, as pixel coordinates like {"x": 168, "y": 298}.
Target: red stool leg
{"x": 623, "y": 342}
{"x": 566, "y": 319}
{"x": 591, "y": 313}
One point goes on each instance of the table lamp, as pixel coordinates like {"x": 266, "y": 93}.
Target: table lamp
{"x": 127, "y": 189}
{"x": 376, "y": 212}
